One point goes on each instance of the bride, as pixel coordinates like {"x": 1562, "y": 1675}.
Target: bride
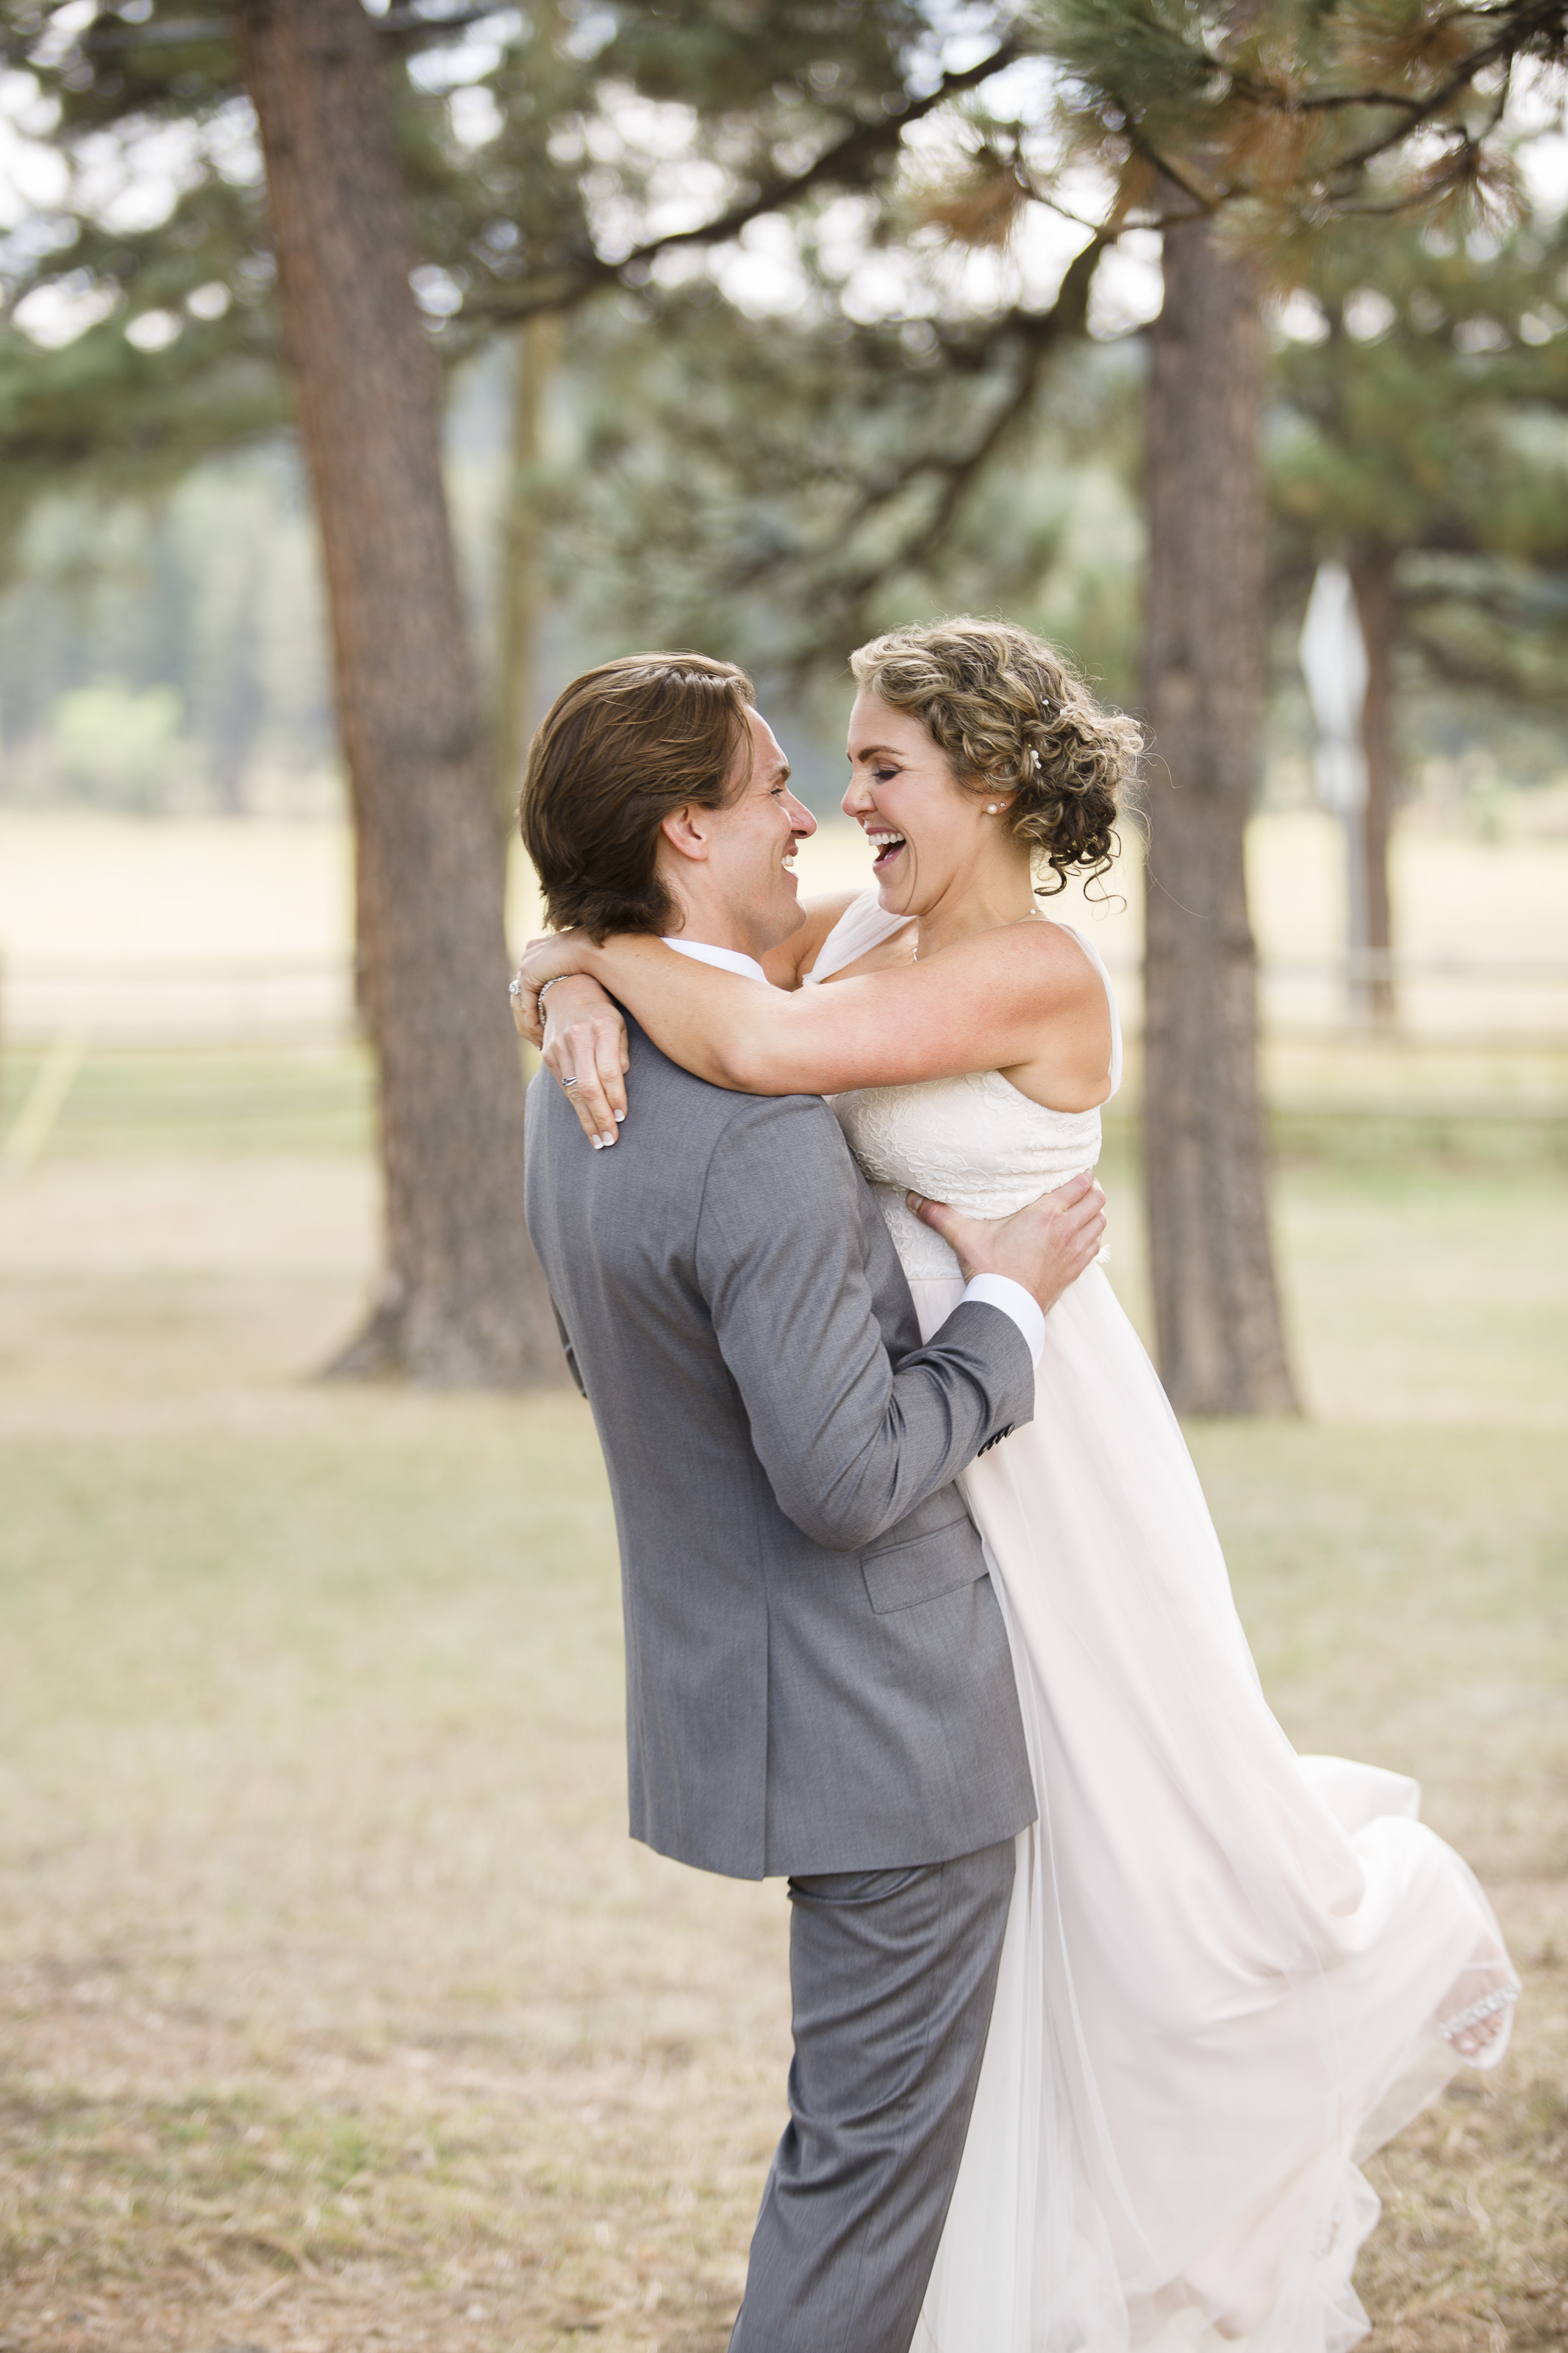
{"x": 1229, "y": 1971}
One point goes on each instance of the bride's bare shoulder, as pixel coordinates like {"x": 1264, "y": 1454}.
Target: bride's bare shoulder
{"x": 1039, "y": 954}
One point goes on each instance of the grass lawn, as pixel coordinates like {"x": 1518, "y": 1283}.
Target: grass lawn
{"x": 339, "y": 2012}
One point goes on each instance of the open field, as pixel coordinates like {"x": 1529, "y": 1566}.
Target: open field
{"x": 84, "y": 883}
{"x": 185, "y": 985}
{"x": 338, "y": 2010}
{"x": 95, "y": 909}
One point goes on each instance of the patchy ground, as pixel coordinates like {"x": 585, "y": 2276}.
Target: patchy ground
{"x": 336, "y": 2012}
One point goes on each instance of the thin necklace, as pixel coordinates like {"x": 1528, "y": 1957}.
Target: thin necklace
{"x": 1035, "y": 913}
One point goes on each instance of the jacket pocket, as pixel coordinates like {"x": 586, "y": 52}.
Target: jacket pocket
{"x": 922, "y": 1568}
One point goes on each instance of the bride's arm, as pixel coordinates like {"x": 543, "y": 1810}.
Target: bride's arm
{"x": 978, "y": 1005}
{"x": 582, "y": 1036}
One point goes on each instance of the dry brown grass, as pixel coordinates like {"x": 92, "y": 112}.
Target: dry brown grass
{"x": 338, "y": 2010}
{"x": 1472, "y": 2251}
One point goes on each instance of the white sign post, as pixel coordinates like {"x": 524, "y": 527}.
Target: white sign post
{"x": 1333, "y": 662}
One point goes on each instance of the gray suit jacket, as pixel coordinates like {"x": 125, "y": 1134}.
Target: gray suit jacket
{"x": 817, "y": 1673}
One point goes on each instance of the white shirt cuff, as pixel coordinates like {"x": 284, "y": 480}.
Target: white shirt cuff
{"x": 1020, "y": 1305}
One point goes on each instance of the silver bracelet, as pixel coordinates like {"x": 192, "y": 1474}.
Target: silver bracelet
{"x": 542, "y": 993}
{"x": 1487, "y": 2007}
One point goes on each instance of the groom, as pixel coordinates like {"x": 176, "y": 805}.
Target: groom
{"x": 817, "y": 1676}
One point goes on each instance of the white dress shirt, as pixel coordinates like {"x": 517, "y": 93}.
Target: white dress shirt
{"x": 726, "y": 959}
{"x": 1000, "y": 1290}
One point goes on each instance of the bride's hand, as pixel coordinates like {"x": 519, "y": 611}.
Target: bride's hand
{"x": 585, "y": 1047}
{"x": 547, "y": 957}
{"x": 1045, "y": 1247}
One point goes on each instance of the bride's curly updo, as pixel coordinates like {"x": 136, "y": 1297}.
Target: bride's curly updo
{"x": 1013, "y": 718}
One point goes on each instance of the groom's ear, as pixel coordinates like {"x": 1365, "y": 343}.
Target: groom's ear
{"x": 687, "y": 830}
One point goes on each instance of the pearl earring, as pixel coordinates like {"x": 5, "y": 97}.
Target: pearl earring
{"x": 990, "y": 808}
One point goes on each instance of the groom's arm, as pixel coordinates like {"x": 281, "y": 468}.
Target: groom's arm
{"x": 850, "y": 1444}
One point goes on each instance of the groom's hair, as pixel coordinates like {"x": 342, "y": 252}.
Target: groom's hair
{"x": 618, "y": 750}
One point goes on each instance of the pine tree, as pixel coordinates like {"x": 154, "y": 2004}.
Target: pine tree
{"x": 1239, "y": 134}
{"x": 462, "y": 1300}
{"x": 358, "y": 188}
{"x": 1221, "y": 1343}
{"x": 1421, "y": 433}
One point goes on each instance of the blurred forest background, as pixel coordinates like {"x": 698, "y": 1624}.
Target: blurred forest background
{"x": 166, "y": 655}
{"x": 365, "y": 372}
{"x": 764, "y": 327}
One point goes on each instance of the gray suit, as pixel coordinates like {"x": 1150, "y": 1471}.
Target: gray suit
{"x": 818, "y": 1675}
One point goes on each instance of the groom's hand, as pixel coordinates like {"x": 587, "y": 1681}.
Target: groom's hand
{"x": 1045, "y": 1247}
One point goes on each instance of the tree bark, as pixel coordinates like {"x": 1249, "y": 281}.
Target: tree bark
{"x": 1220, "y": 1342}
{"x": 522, "y": 586}
{"x": 461, "y": 1300}
{"x": 1371, "y": 567}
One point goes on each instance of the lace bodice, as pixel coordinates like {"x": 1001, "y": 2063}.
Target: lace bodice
{"x": 973, "y": 1141}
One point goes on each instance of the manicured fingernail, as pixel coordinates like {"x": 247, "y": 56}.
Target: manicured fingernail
{"x": 597, "y": 1143}
{"x": 608, "y": 1139}
{"x": 619, "y": 1116}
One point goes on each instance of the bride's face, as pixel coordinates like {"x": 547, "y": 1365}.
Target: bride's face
{"x": 930, "y": 836}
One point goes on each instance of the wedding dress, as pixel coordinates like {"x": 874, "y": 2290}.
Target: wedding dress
{"x": 1229, "y": 1970}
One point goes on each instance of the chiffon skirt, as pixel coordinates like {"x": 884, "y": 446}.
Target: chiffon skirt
{"x": 1227, "y": 1967}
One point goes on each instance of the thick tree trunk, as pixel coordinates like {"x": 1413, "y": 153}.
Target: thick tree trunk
{"x": 462, "y": 1300}
{"x": 522, "y": 583}
{"x": 1221, "y": 1348}
{"x": 1371, "y": 567}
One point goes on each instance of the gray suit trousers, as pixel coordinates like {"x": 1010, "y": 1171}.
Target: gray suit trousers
{"x": 893, "y": 1975}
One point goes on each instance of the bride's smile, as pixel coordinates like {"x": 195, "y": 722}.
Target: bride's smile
{"x": 941, "y": 850}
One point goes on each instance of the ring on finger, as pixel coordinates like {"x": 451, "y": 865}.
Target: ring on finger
{"x": 568, "y": 1083}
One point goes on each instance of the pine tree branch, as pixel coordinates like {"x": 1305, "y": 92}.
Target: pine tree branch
{"x": 1541, "y": 17}
{"x": 1109, "y": 229}
{"x": 848, "y": 162}
{"x": 180, "y": 32}
{"x": 1066, "y": 316}
{"x": 1454, "y": 665}
{"x": 1200, "y": 199}
{"x": 842, "y": 613}
{"x": 1521, "y": 26}
{"x": 1522, "y": 22}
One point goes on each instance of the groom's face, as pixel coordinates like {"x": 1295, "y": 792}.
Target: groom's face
{"x": 752, "y": 842}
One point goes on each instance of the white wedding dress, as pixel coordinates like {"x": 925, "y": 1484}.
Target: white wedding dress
{"x": 1228, "y": 1969}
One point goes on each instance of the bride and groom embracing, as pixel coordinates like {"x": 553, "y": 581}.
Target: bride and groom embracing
{"x": 1099, "y": 1990}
